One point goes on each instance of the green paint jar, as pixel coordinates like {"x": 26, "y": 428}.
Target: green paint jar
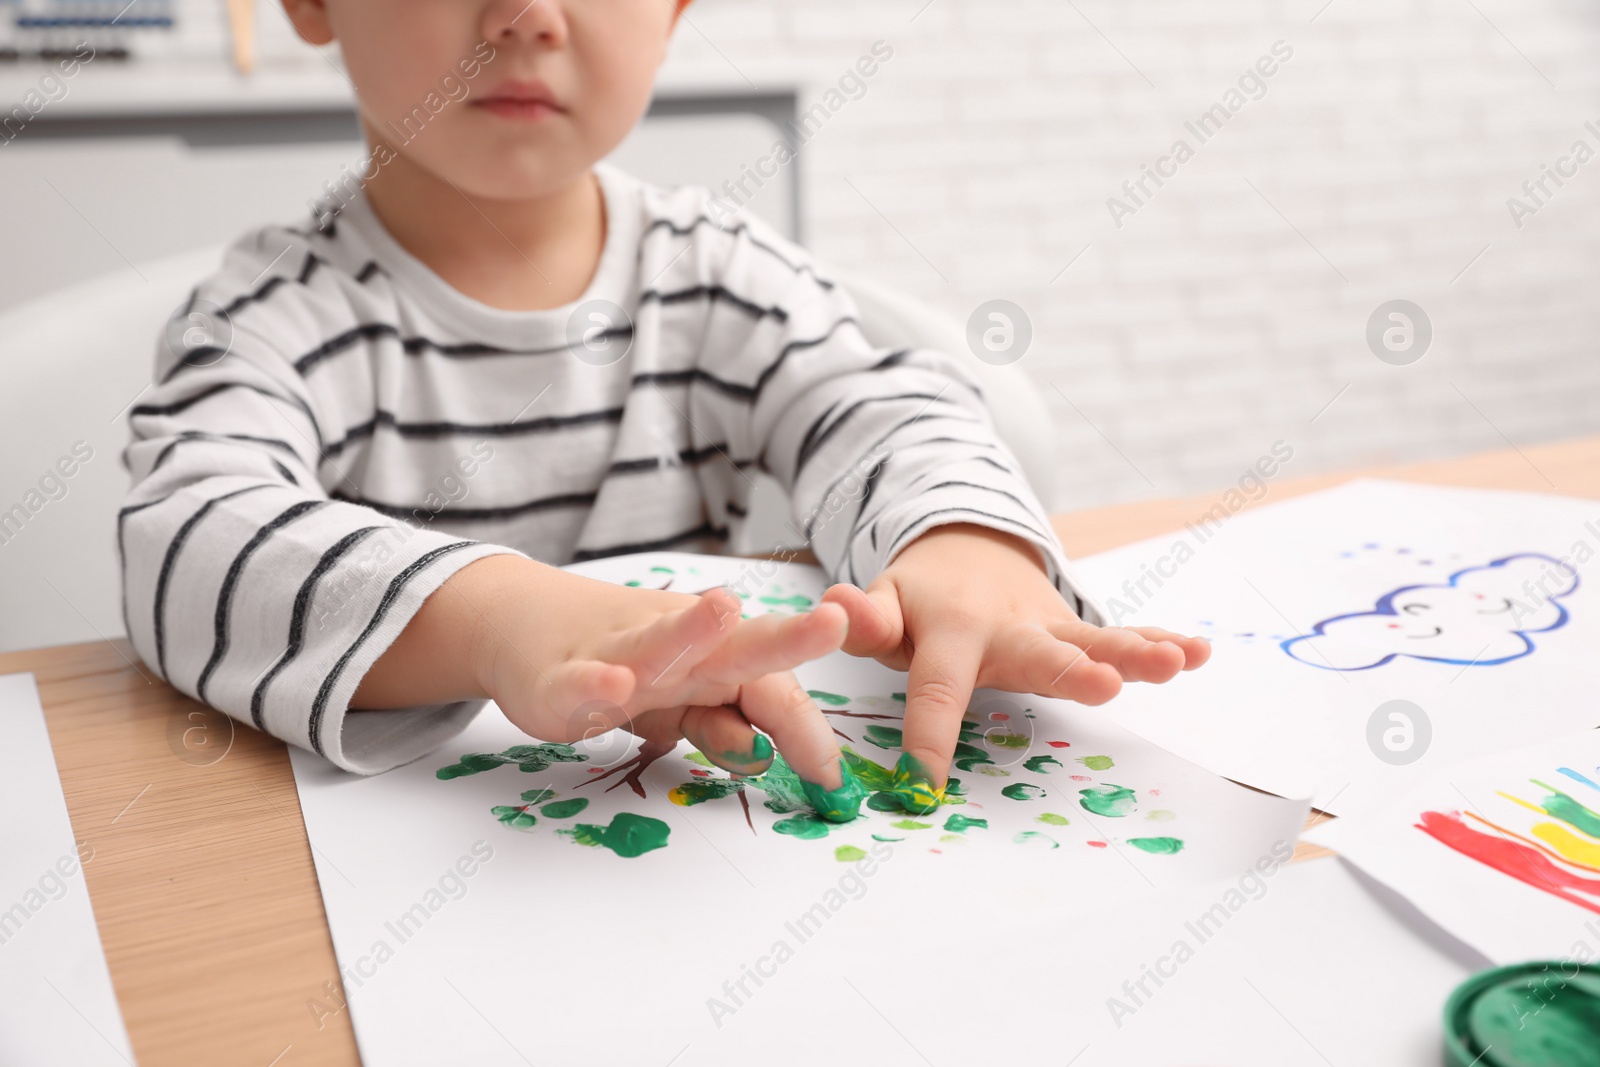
{"x": 1526, "y": 1015}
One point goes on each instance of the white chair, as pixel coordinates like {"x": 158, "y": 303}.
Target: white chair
{"x": 73, "y": 362}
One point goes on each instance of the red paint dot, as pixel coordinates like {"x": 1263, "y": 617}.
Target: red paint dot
{"x": 1081, "y": 778}
{"x": 597, "y": 770}
{"x": 999, "y": 716}
{"x": 1394, "y": 626}
{"x": 1155, "y": 792}
{"x": 1097, "y": 844}
{"x": 936, "y": 852}
{"x": 701, "y": 774}
{"x": 1059, "y": 744}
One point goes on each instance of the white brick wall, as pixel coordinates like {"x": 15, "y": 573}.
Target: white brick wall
{"x": 1205, "y": 327}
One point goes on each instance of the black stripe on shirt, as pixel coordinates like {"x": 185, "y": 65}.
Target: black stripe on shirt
{"x": 705, "y": 529}
{"x": 810, "y": 448}
{"x": 230, "y": 582}
{"x": 735, "y": 231}
{"x": 965, "y": 511}
{"x": 320, "y": 706}
{"x": 223, "y": 439}
{"x": 546, "y": 424}
{"x": 174, "y": 547}
{"x": 179, "y": 406}
{"x": 297, "y": 621}
{"x": 421, "y": 513}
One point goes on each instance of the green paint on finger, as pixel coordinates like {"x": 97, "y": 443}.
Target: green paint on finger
{"x": 1025, "y": 837}
{"x": 564, "y": 809}
{"x": 1050, "y": 818}
{"x": 960, "y": 824}
{"x": 804, "y": 825}
{"x": 872, "y": 775}
{"x": 628, "y": 835}
{"x": 848, "y": 854}
{"x": 515, "y": 817}
{"x": 1037, "y": 764}
{"x": 1111, "y": 801}
{"x": 822, "y": 697}
{"x": 911, "y": 824}
{"x": 1022, "y": 791}
{"x": 1157, "y": 846}
{"x": 1097, "y": 763}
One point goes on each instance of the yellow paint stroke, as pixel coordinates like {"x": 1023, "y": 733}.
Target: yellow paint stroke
{"x": 1531, "y": 844}
{"x": 1569, "y": 844}
{"x": 1524, "y": 803}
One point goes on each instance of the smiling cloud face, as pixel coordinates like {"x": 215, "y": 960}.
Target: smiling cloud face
{"x": 1482, "y": 616}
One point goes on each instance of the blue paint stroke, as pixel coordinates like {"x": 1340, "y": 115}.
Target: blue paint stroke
{"x": 1575, "y": 776}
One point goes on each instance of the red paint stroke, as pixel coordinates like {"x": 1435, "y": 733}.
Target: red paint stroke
{"x": 1524, "y": 864}
{"x": 648, "y": 753}
{"x": 1531, "y": 844}
{"x": 999, "y": 716}
{"x": 1059, "y": 744}
{"x": 1081, "y": 778}
{"x": 700, "y": 774}
{"x": 1096, "y": 844}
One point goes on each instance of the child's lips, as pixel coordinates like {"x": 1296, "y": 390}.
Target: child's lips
{"x": 519, "y": 109}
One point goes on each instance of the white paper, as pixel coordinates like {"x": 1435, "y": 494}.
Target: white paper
{"x": 523, "y": 942}
{"x": 1472, "y": 888}
{"x": 56, "y": 1000}
{"x": 1490, "y": 661}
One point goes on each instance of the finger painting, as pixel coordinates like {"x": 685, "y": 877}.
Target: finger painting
{"x": 1324, "y": 608}
{"x": 647, "y": 872}
{"x": 1503, "y": 851}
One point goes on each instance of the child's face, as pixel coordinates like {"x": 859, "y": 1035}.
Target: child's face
{"x": 456, "y": 85}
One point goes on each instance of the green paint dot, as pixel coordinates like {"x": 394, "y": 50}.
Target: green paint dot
{"x": 1010, "y": 741}
{"x": 805, "y": 826}
{"x": 960, "y": 824}
{"x": 953, "y": 787}
{"x": 1161, "y": 815}
{"x": 1022, "y": 791}
{"x": 887, "y": 840}
{"x": 1038, "y": 764}
{"x": 798, "y": 602}
{"x": 632, "y": 583}
{"x": 951, "y": 837}
{"x": 1097, "y": 763}
{"x": 885, "y": 737}
{"x": 1111, "y": 801}
{"x": 538, "y": 796}
{"x": 564, "y": 809}
{"x": 700, "y": 758}
{"x": 848, "y": 854}
{"x": 822, "y": 697}
{"x": 1027, "y": 836}
{"x": 662, "y": 570}
{"x": 628, "y": 835}
{"x": 514, "y": 817}
{"x": 1050, "y": 818}
{"x": 994, "y": 772}
{"x": 901, "y": 697}
{"x": 911, "y": 824}
{"x": 1157, "y": 846}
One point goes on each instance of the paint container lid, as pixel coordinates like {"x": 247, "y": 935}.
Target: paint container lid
{"x": 1526, "y": 1015}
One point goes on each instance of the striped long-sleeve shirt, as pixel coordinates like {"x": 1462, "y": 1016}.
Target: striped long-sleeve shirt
{"x": 301, "y": 487}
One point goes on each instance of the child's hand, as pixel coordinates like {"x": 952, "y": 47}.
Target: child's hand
{"x": 568, "y": 658}
{"x": 966, "y": 607}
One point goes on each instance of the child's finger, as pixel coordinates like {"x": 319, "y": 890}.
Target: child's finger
{"x": 727, "y": 739}
{"x": 944, "y": 671}
{"x": 772, "y": 643}
{"x": 1030, "y": 659}
{"x": 1196, "y": 650}
{"x": 778, "y": 705}
{"x": 555, "y": 702}
{"x": 877, "y": 627}
{"x": 664, "y": 651}
{"x": 1134, "y": 656}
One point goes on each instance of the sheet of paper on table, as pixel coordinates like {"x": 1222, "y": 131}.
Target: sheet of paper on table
{"x": 56, "y": 1000}
{"x": 1502, "y": 851}
{"x": 506, "y": 899}
{"x": 1322, "y": 610}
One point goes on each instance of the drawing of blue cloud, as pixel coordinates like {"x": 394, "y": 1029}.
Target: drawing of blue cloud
{"x": 1481, "y": 617}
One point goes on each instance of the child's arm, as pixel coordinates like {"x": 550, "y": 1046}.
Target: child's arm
{"x": 898, "y": 481}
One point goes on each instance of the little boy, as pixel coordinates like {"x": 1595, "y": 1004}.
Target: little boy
{"x": 347, "y": 518}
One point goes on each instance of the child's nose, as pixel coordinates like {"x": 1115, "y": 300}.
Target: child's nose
{"x": 541, "y": 22}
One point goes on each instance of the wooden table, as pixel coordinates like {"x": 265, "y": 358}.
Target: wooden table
{"x": 202, "y": 877}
